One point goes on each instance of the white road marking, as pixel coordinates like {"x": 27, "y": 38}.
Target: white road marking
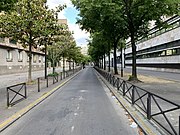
{"x": 72, "y": 128}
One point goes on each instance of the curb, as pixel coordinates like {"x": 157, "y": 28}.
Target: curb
{"x": 23, "y": 111}
{"x": 148, "y": 127}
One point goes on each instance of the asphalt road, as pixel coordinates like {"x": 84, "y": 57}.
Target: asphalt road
{"x": 81, "y": 107}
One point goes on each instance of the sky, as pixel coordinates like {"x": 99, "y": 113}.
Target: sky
{"x": 70, "y": 13}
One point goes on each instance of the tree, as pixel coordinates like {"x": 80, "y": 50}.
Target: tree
{"x": 99, "y": 42}
{"x": 103, "y": 16}
{"x": 137, "y": 15}
{"x": 121, "y": 19}
{"x": 6, "y": 5}
{"x": 27, "y": 24}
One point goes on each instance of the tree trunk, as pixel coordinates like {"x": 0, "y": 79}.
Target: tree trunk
{"x": 104, "y": 61}
{"x": 45, "y": 71}
{"x": 109, "y": 58}
{"x": 53, "y": 64}
{"x": 69, "y": 65}
{"x": 73, "y": 66}
{"x": 53, "y": 69}
{"x": 63, "y": 66}
{"x": 121, "y": 63}
{"x": 115, "y": 57}
{"x": 30, "y": 63}
{"x": 134, "y": 72}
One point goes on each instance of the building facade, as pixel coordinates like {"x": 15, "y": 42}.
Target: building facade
{"x": 14, "y": 58}
{"x": 160, "y": 50}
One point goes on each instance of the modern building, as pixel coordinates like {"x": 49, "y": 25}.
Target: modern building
{"x": 160, "y": 50}
{"x": 84, "y": 50}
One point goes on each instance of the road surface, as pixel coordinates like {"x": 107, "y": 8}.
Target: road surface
{"x": 81, "y": 107}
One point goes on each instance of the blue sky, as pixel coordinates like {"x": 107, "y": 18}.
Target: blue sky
{"x": 70, "y": 13}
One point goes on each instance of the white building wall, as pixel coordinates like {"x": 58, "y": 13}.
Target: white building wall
{"x": 169, "y": 36}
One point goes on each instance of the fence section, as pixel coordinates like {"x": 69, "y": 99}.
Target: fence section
{"x": 162, "y": 111}
{"x": 16, "y": 93}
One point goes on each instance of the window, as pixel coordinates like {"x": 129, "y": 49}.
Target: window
{"x": 169, "y": 52}
{"x": 34, "y": 58}
{"x": 20, "y": 56}
{"x": 39, "y": 59}
{"x": 12, "y": 41}
{"x": 9, "y": 56}
{"x": 2, "y": 40}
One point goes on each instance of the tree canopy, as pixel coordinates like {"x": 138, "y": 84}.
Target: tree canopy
{"x": 122, "y": 19}
{"x": 6, "y": 5}
{"x": 28, "y": 23}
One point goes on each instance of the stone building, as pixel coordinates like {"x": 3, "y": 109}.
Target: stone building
{"x": 14, "y": 58}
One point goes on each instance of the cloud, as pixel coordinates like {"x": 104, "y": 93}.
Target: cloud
{"x": 79, "y": 35}
{"x": 54, "y": 3}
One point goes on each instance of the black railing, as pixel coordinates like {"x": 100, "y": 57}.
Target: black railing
{"x": 155, "y": 107}
{"x": 56, "y": 78}
{"x": 16, "y": 93}
{"x": 20, "y": 90}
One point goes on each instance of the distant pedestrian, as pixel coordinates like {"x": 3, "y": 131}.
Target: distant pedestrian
{"x": 83, "y": 65}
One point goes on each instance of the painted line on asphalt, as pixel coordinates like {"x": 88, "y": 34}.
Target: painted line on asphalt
{"x": 23, "y": 111}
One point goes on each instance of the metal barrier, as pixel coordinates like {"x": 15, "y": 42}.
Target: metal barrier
{"x": 153, "y": 106}
{"x": 17, "y": 90}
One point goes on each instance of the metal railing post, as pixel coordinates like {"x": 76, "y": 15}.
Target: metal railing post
{"x": 124, "y": 91}
{"x": 38, "y": 85}
{"x": 133, "y": 95}
{"x": 47, "y": 81}
{"x": 114, "y": 80}
{"x": 61, "y": 75}
{"x": 179, "y": 120}
{"x": 117, "y": 83}
{"x": 149, "y": 106}
{"x": 7, "y": 97}
{"x": 25, "y": 94}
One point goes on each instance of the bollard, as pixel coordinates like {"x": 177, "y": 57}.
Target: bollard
{"x": 179, "y": 125}
{"x": 38, "y": 84}
{"x": 25, "y": 93}
{"x": 133, "y": 95}
{"x": 61, "y": 75}
{"x": 47, "y": 81}
{"x": 117, "y": 83}
{"x": 7, "y": 97}
{"x": 124, "y": 91}
{"x": 149, "y": 106}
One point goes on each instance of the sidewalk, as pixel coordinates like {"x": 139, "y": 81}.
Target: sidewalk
{"x": 12, "y": 79}
{"x": 161, "y": 109}
{"x": 33, "y": 98}
{"x": 168, "y": 89}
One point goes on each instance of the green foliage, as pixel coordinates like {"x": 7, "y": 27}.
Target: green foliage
{"x": 6, "y": 5}
{"x": 29, "y": 23}
{"x": 120, "y": 19}
{"x": 53, "y": 74}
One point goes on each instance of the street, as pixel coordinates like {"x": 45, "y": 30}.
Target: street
{"x": 82, "y": 107}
